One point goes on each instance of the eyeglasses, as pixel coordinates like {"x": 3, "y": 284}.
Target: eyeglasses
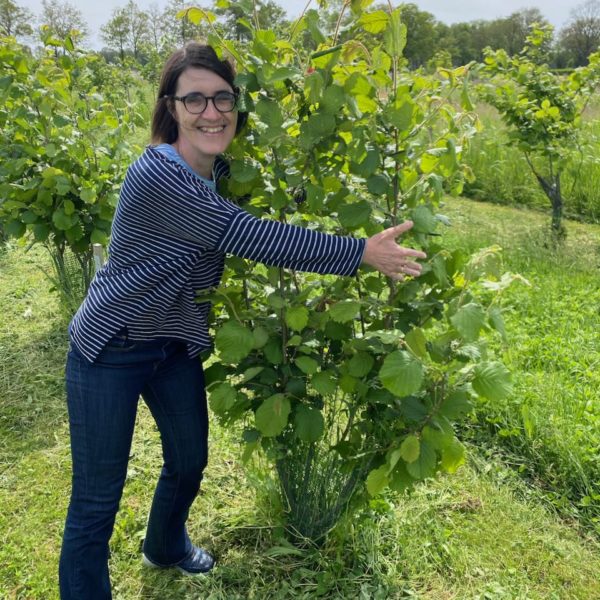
{"x": 196, "y": 103}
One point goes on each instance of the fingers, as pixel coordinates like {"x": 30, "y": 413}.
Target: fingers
{"x": 412, "y": 252}
{"x": 394, "y": 232}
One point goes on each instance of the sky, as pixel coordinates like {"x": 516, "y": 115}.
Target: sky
{"x": 97, "y": 13}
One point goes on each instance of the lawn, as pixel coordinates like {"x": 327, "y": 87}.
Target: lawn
{"x": 513, "y": 523}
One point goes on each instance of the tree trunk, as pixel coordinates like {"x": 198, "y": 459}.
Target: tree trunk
{"x": 551, "y": 187}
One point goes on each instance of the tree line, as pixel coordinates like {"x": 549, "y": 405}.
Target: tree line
{"x": 143, "y": 33}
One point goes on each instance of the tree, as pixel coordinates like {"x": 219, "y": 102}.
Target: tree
{"x": 14, "y": 20}
{"x": 116, "y": 32}
{"x": 349, "y": 385}
{"x": 176, "y": 30}
{"x": 64, "y": 147}
{"x": 542, "y": 110}
{"x": 62, "y": 19}
{"x": 421, "y": 35}
{"x": 239, "y": 17}
{"x": 127, "y": 30}
{"x": 581, "y": 36}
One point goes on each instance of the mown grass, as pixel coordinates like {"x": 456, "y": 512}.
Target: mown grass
{"x": 482, "y": 533}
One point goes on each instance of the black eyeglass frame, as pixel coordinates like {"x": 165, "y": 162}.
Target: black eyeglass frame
{"x": 183, "y": 99}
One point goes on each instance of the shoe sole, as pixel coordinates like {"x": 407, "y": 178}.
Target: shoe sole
{"x": 146, "y": 562}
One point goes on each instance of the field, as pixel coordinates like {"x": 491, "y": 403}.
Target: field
{"x": 518, "y": 521}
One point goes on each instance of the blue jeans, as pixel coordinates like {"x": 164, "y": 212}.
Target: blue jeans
{"x": 102, "y": 399}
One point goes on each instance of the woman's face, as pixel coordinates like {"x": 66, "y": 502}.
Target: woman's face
{"x": 202, "y": 136}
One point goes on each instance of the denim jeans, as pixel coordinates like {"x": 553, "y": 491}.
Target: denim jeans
{"x": 102, "y": 400}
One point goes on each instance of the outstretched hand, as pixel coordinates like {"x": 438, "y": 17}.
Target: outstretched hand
{"x": 384, "y": 254}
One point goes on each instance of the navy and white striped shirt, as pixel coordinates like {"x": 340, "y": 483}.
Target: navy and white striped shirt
{"x": 170, "y": 235}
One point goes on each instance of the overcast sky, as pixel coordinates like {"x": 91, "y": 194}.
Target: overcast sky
{"x": 97, "y": 13}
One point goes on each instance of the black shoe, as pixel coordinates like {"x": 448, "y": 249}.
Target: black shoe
{"x": 197, "y": 562}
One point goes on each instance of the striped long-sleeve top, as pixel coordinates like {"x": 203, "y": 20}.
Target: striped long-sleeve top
{"x": 169, "y": 238}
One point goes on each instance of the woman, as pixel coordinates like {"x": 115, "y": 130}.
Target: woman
{"x": 139, "y": 331}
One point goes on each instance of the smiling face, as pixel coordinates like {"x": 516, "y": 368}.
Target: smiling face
{"x": 201, "y": 137}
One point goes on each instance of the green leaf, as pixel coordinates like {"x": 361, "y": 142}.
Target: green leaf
{"x": 374, "y": 22}
{"x": 395, "y": 35}
{"x": 251, "y": 373}
{"x": 354, "y": 215}
{"x": 455, "y": 405}
{"x": 15, "y": 228}
{"x": 468, "y": 321}
{"x": 423, "y": 219}
{"x": 307, "y": 365}
{"x": 88, "y": 195}
{"x": 401, "y": 373}
{"x": 99, "y": 237}
{"x": 377, "y": 480}
{"x": 296, "y": 317}
{"x": 309, "y": 423}
{"x": 324, "y": 383}
{"x": 453, "y": 456}
{"x": 410, "y": 449}
{"x": 360, "y": 364}
{"x": 272, "y": 415}
{"x": 243, "y": 172}
{"x": 222, "y": 397}
{"x": 61, "y": 220}
{"x": 234, "y": 341}
{"x": 318, "y": 126}
{"x": 424, "y": 466}
{"x": 417, "y": 342}
{"x": 497, "y": 321}
{"x": 492, "y": 380}
{"x": 344, "y": 311}
{"x": 260, "y": 337}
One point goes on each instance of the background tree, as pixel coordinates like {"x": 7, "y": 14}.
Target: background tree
{"x": 581, "y": 36}
{"x": 421, "y": 35}
{"x": 115, "y": 33}
{"x": 178, "y": 31}
{"x": 236, "y": 17}
{"x": 63, "y": 19}
{"x": 542, "y": 110}
{"x": 14, "y": 20}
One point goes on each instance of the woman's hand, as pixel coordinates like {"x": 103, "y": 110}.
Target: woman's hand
{"x": 384, "y": 254}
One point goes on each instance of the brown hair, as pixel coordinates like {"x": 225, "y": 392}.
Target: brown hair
{"x": 193, "y": 54}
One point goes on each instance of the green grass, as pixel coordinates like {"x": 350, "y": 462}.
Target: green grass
{"x": 483, "y": 533}
{"x": 551, "y": 423}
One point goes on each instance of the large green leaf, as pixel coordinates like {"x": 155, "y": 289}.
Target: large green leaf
{"x": 309, "y": 423}
{"x": 324, "y": 382}
{"x": 401, "y": 373}
{"x": 492, "y": 380}
{"x": 410, "y": 449}
{"x": 395, "y": 34}
{"x": 377, "y": 480}
{"x": 468, "y": 320}
{"x": 307, "y": 365}
{"x": 355, "y": 214}
{"x": 297, "y": 317}
{"x": 222, "y": 398}
{"x": 344, "y": 311}
{"x": 424, "y": 466}
{"x": 360, "y": 364}
{"x": 272, "y": 415}
{"x": 234, "y": 341}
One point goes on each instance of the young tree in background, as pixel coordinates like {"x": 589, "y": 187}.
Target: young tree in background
{"x": 14, "y": 20}
{"x": 234, "y": 14}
